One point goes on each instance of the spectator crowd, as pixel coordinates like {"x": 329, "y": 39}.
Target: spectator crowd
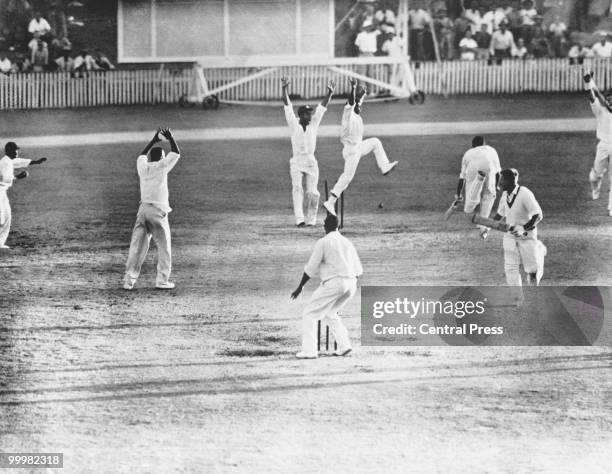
{"x": 485, "y": 29}
{"x": 46, "y": 51}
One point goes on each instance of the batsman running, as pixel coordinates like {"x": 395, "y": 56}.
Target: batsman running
{"x": 355, "y": 146}
{"x": 479, "y": 177}
{"x": 602, "y": 109}
{"x": 303, "y": 165}
{"x": 521, "y": 211}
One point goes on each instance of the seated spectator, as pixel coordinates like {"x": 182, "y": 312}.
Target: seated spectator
{"x": 579, "y": 51}
{"x": 558, "y": 30}
{"x": 65, "y": 63}
{"x": 6, "y": 67}
{"x": 502, "y": 42}
{"x": 483, "y": 39}
{"x": 539, "y": 46}
{"x": 40, "y": 59}
{"x": 444, "y": 30}
{"x": 366, "y": 40}
{"x": 84, "y": 62}
{"x": 520, "y": 52}
{"x": 39, "y": 25}
{"x": 102, "y": 61}
{"x": 603, "y": 48}
{"x": 468, "y": 47}
{"x": 59, "y": 45}
{"x": 528, "y": 20}
{"x": 33, "y": 45}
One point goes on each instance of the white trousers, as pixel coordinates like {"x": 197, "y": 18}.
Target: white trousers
{"x": 324, "y": 305}
{"x": 479, "y": 189}
{"x": 352, "y": 155}
{"x": 5, "y": 216}
{"x": 150, "y": 222}
{"x": 602, "y": 164}
{"x": 529, "y": 251}
{"x": 309, "y": 175}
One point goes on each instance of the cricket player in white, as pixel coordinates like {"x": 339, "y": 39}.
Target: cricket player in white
{"x": 152, "y": 217}
{"x": 303, "y": 165}
{"x": 355, "y": 146}
{"x": 518, "y": 206}
{"x": 479, "y": 177}
{"x": 8, "y": 164}
{"x": 603, "y": 112}
{"x": 335, "y": 261}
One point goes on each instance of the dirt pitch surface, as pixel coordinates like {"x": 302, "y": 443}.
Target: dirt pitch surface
{"x": 203, "y": 378}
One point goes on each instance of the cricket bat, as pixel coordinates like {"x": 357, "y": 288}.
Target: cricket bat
{"x": 451, "y": 209}
{"x": 492, "y": 223}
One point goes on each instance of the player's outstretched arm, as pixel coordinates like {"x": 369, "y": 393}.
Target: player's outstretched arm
{"x": 40, "y": 161}
{"x": 298, "y": 290}
{"x": 351, "y": 97}
{"x": 460, "y": 185}
{"x": 331, "y": 85}
{"x": 153, "y": 141}
{"x": 167, "y": 134}
{"x": 285, "y": 84}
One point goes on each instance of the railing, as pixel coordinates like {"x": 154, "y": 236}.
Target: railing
{"x": 150, "y": 86}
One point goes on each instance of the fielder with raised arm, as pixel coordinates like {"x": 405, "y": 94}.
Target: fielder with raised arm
{"x": 303, "y": 165}
{"x": 152, "y": 217}
{"x": 335, "y": 261}
{"x": 479, "y": 177}
{"x": 355, "y": 146}
{"x": 603, "y": 112}
{"x": 521, "y": 211}
{"x": 8, "y": 164}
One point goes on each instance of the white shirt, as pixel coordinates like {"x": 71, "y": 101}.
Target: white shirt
{"x": 41, "y": 26}
{"x": 468, "y": 43}
{"x": 333, "y": 256}
{"x": 481, "y": 158}
{"x": 351, "y": 129}
{"x": 528, "y": 16}
{"x": 304, "y": 142}
{"x": 5, "y": 65}
{"x": 602, "y": 50}
{"x": 557, "y": 29}
{"x": 519, "y": 207}
{"x": 392, "y": 47}
{"x": 366, "y": 41}
{"x": 419, "y": 19}
{"x": 7, "y": 170}
{"x": 154, "y": 180}
{"x": 501, "y": 40}
{"x": 604, "y": 122}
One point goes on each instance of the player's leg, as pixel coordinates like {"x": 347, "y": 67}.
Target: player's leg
{"x": 486, "y": 202}
{"x": 532, "y": 253}
{"x": 600, "y": 165}
{"x": 320, "y": 304}
{"x": 5, "y": 218}
{"x": 374, "y": 145}
{"x": 348, "y": 288}
{"x": 139, "y": 246}
{"x": 512, "y": 261}
{"x": 160, "y": 229}
{"x": 610, "y": 190}
{"x": 312, "y": 195}
{"x": 351, "y": 161}
{"x": 298, "y": 194}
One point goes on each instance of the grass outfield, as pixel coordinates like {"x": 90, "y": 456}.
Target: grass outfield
{"x": 203, "y": 378}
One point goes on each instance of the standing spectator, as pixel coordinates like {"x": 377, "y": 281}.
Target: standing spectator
{"x": 514, "y": 19}
{"x": 468, "y": 47}
{"x": 520, "y": 52}
{"x": 419, "y": 21}
{"x": 39, "y": 25}
{"x": 528, "y": 20}
{"x": 462, "y": 24}
{"x": 6, "y": 67}
{"x": 502, "y": 42}
{"x": 40, "y": 59}
{"x": 603, "y": 48}
{"x": 483, "y": 39}
{"x": 366, "y": 40}
{"x": 33, "y": 45}
{"x": 444, "y": 30}
{"x": 539, "y": 46}
{"x": 472, "y": 14}
{"x": 494, "y": 17}
{"x": 557, "y": 30}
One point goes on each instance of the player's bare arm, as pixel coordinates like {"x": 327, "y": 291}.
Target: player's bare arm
{"x": 285, "y": 84}
{"x": 460, "y": 185}
{"x": 298, "y": 290}
{"x": 331, "y": 85}
{"x": 153, "y": 141}
{"x": 351, "y": 97}
{"x": 533, "y": 222}
{"x": 167, "y": 134}
{"x": 40, "y": 161}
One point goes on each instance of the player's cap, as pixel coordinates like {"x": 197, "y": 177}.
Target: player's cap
{"x": 10, "y": 147}
{"x": 305, "y": 108}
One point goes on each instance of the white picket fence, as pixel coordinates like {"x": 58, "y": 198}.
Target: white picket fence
{"x": 150, "y": 86}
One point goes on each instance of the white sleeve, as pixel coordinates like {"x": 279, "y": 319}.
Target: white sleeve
{"x": 502, "y": 208}
{"x": 531, "y": 205}
{"x": 290, "y": 116}
{"x": 356, "y": 262}
{"x": 312, "y": 267}
{"x": 5, "y": 178}
{"x": 31, "y": 26}
{"x": 596, "y": 107}
{"x": 464, "y": 162}
{"x": 318, "y": 115}
{"x": 170, "y": 161}
{"x": 140, "y": 163}
{"x": 21, "y": 163}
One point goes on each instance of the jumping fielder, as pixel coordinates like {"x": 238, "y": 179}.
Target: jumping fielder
{"x": 335, "y": 261}
{"x": 355, "y": 146}
{"x": 518, "y": 206}
{"x": 152, "y": 217}
{"x": 603, "y": 112}
{"x": 479, "y": 177}
{"x": 8, "y": 164}
{"x": 303, "y": 165}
